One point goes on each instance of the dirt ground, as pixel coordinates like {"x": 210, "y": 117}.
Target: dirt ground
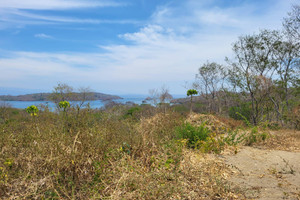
{"x": 269, "y": 171}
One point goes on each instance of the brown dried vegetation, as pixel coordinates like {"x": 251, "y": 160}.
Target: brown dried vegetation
{"x": 101, "y": 154}
{"x": 104, "y": 154}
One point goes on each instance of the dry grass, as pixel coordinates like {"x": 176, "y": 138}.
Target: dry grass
{"x": 286, "y": 139}
{"x": 104, "y": 155}
{"x": 218, "y": 124}
{"x": 205, "y": 177}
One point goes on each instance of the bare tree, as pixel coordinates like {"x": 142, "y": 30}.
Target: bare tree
{"x": 164, "y": 95}
{"x": 286, "y": 53}
{"x": 62, "y": 92}
{"x": 292, "y": 23}
{"x": 160, "y": 97}
{"x": 154, "y": 96}
{"x": 253, "y": 59}
{"x": 209, "y": 83}
{"x": 83, "y": 95}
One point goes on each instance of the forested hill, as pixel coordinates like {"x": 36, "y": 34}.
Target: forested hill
{"x": 46, "y": 97}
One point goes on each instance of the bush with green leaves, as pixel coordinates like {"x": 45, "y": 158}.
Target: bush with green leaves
{"x": 193, "y": 134}
{"x": 244, "y": 111}
{"x": 233, "y": 138}
{"x": 132, "y": 111}
{"x": 255, "y": 136}
{"x": 64, "y": 105}
{"x": 32, "y": 110}
{"x": 180, "y": 108}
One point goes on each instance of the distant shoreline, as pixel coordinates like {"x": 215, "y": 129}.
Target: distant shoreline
{"x": 46, "y": 97}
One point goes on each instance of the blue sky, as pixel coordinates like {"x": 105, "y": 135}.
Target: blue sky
{"x": 122, "y": 47}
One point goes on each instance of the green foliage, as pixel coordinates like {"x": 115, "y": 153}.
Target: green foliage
{"x": 199, "y": 107}
{"x": 264, "y": 136}
{"x": 180, "y": 108}
{"x": 32, "y": 110}
{"x": 126, "y": 148}
{"x": 255, "y": 136}
{"x": 3, "y": 176}
{"x": 244, "y": 119}
{"x": 200, "y": 137}
{"x": 191, "y": 92}
{"x": 132, "y": 111}
{"x": 241, "y": 112}
{"x": 270, "y": 125}
{"x": 61, "y": 92}
{"x": 15, "y": 112}
{"x": 64, "y": 104}
{"x": 213, "y": 144}
{"x": 51, "y": 195}
{"x": 9, "y": 163}
{"x": 194, "y": 135}
{"x": 103, "y": 146}
{"x": 234, "y": 138}
{"x": 252, "y": 137}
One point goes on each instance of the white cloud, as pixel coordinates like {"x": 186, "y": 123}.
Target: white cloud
{"x": 28, "y": 17}
{"x": 150, "y": 34}
{"x": 43, "y": 36}
{"x": 15, "y": 13}
{"x": 55, "y": 4}
{"x": 167, "y": 50}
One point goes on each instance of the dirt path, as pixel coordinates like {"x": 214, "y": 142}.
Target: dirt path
{"x": 266, "y": 174}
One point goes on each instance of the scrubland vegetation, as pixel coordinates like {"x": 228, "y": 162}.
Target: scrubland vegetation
{"x": 120, "y": 152}
{"x": 162, "y": 151}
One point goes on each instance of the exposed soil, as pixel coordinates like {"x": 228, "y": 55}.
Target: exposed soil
{"x": 263, "y": 172}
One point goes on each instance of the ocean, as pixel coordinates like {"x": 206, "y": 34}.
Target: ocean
{"x": 93, "y": 104}
{"x": 137, "y": 99}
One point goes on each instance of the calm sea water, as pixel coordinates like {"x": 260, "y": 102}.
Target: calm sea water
{"x": 93, "y": 104}
{"x": 137, "y": 99}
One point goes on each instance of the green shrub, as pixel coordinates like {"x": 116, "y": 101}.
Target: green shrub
{"x": 194, "y": 135}
{"x": 254, "y": 136}
{"x": 213, "y": 144}
{"x": 32, "y": 110}
{"x": 233, "y": 138}
{"x": 270, "y": 125}
{"x": 132, "y": 111}
{"x": 264, "y": 136}
{"x": 180, "y": 108}
{"x": 64, "y": 105}
{"x": 244, "y": 111}
{"x": 274, "y": 126}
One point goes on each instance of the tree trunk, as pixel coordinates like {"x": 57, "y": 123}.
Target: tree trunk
{"x": 191, "y": 108}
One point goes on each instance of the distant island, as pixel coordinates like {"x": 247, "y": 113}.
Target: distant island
{"x": 46, "y": 97}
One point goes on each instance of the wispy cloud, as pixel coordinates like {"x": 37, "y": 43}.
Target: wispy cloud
{"x": 43, "y": 36}
{"x": 56, "y": 4}
{"x": 14, "y": 13}
{"x": 68, "y": 19}
{"x": 168, "y": 49}
{"x": 17, "y": 16}
{"x": 193, "y": 16}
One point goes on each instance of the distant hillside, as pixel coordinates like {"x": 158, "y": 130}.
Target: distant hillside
{"x": 45, "y": 97}
{"x": 187, "y": 100}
